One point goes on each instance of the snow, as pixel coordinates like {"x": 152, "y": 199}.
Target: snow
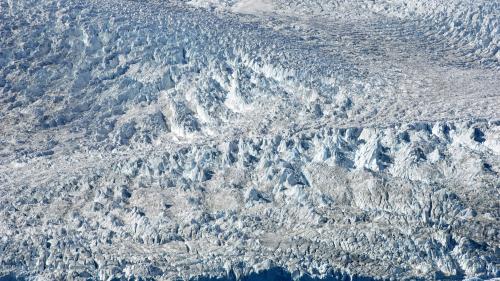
{"x": 249, "y": 140}
{"x": 252, "y": 6}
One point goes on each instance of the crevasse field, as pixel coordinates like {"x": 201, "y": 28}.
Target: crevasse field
{"x": 249, "y": 140}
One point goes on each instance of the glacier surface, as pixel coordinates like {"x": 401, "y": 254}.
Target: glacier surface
{"x": 249, "y": 140}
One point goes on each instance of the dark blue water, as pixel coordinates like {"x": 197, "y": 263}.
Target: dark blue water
{"x": 280, "y": 274}
{"x": 273, "y": 274}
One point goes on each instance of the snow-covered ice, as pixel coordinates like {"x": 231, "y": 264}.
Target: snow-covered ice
{"x": 249, "y": 140}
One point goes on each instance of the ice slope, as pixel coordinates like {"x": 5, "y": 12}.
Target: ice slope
{"x": 231, "y": 139}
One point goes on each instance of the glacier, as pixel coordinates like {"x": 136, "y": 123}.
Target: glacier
{"x": 249, "y": 140}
